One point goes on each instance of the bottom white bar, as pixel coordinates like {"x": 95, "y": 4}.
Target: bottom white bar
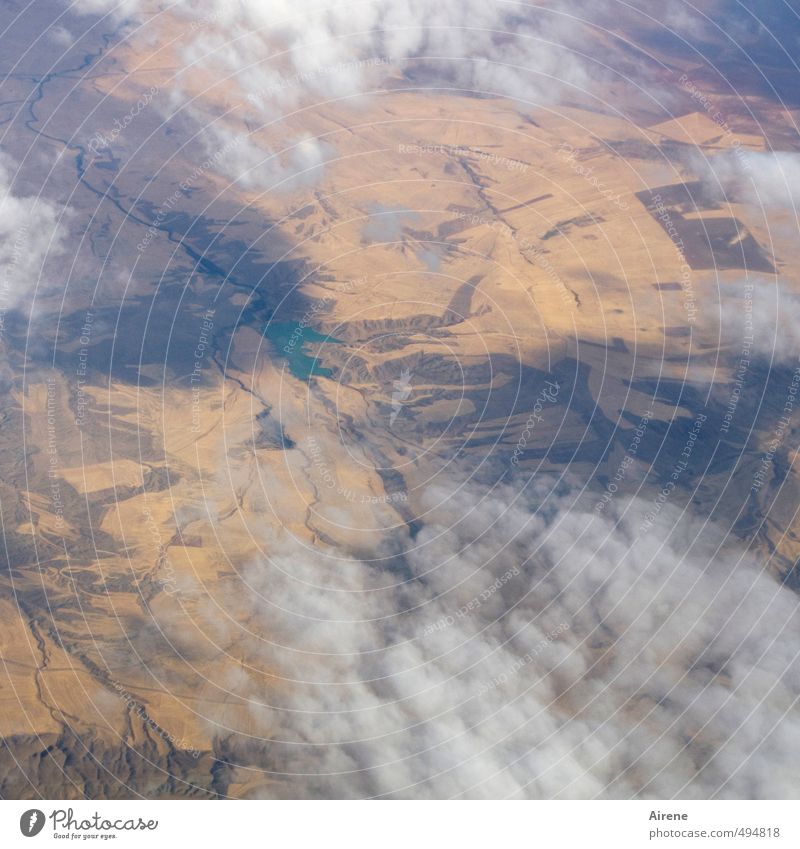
{"x": 402, "y": 825}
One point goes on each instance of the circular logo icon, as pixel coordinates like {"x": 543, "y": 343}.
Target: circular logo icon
{"x": 31, "y": 822}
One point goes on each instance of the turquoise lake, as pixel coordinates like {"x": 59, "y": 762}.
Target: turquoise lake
{"x": 302, "y": 365}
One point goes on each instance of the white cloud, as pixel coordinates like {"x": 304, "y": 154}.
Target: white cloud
{"x": 254, "y": 167}
{"x": 30, "y": 235}
{"x": 61, "y": 36}
{"x": 606, "y": 664}
{"x": 757, "y": 315}
{"x": 331, "y": 49}
{"x": 769, "y": 180}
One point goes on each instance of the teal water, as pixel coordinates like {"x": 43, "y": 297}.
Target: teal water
{"x": 289, "y": 342}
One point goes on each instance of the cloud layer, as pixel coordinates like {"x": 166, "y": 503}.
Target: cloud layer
{"x": 524, "y": 649}
{"x": 275, "y": 50}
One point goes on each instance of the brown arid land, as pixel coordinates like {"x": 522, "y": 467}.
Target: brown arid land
{"x": 298, "y": 391}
